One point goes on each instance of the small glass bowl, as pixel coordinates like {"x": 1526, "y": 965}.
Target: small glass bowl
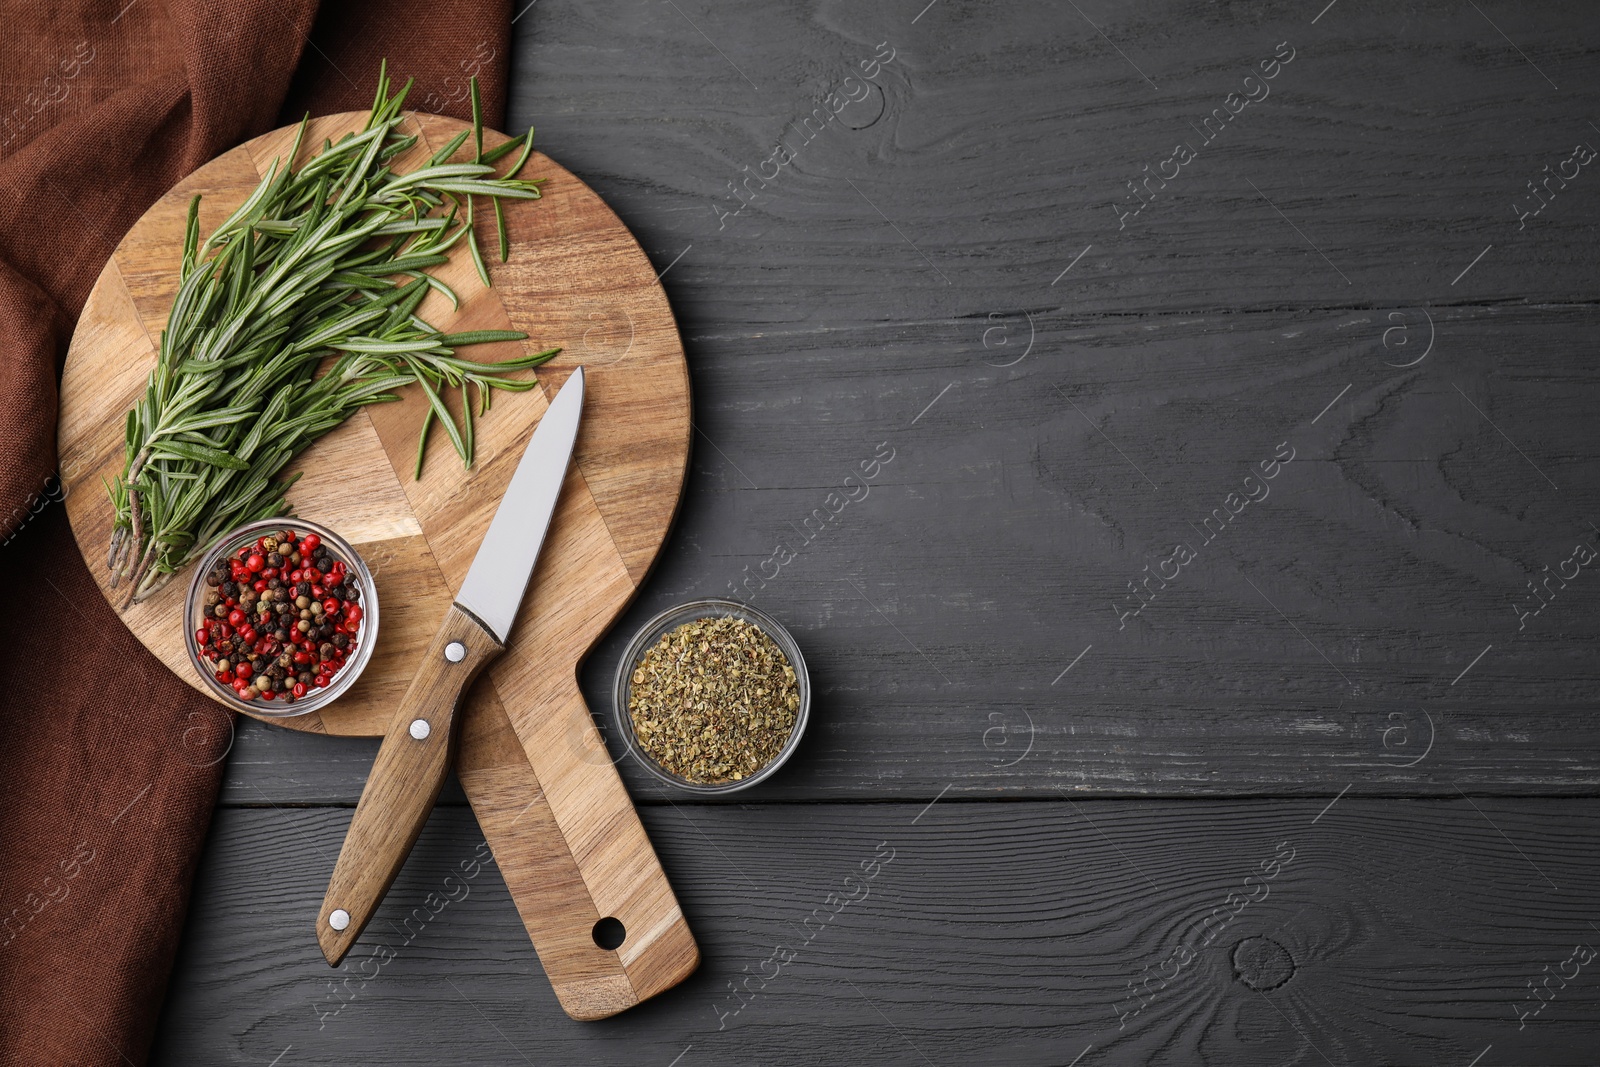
{"x": 315, "y": 698}
{"x": 671, "y": 619}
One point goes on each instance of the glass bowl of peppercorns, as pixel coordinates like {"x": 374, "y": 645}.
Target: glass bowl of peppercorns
{"x": 281, "y": 617}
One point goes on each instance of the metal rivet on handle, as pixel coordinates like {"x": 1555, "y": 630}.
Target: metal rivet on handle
{"x": 455, "y": 652}
{"x": 420, "y": 729}
{"x": 339, "y": 919}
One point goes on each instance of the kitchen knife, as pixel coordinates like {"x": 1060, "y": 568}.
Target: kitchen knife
{"x": 418, "y": 749}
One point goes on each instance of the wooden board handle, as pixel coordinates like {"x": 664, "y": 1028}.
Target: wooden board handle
{"x": 410, "y": 768}
{"x": 562, "y": 899}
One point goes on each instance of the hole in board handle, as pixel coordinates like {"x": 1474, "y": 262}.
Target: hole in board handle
{"x": 609, "y": 933}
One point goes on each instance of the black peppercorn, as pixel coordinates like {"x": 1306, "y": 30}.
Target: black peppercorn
{"x": 305, "y": 677}
{"x": 340, "y": 640}
{"x": 303, "y": 589}
{"x": 230, "y": 588}
{"x": 274, "y": 559}
{"x": 350, "y": 591}
{"x": 274, "y": 583}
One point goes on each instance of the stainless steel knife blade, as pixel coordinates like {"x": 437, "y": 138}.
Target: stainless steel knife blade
{"x": 499, "y": 575}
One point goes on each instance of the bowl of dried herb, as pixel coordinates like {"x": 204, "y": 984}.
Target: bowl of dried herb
{"x": 712, "y": 696}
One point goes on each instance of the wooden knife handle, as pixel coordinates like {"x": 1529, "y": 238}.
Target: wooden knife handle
{"x": 410, "y": 768}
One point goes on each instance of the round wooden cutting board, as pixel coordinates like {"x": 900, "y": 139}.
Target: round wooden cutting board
{"x": 530, "y": 755}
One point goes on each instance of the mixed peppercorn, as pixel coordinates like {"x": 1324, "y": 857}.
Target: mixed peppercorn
{"x": 282, "y": 617}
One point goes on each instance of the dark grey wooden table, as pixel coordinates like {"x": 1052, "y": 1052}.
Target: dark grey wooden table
{"x": 1207, "y": 672}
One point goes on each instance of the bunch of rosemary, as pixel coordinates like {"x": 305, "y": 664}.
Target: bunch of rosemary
{"x": 308, "y": 275}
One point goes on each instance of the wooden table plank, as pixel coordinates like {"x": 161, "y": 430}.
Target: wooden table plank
{"x": 1319, "y": 639}
{"x": 1401, "y": 932}
{"x": 1397, "y": 141}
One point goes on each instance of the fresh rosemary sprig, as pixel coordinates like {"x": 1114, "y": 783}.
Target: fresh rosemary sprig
{"x": 295, "y": 312}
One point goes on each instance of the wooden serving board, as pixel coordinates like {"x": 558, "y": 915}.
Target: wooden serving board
{"x": 562, "y": 827}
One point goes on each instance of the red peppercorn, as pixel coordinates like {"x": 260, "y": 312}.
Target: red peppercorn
{"x": 302, "y": 657}
{"x": 270, "y": 572}
{"x": 256, "y": 562}
{"x": 311, "y": 574}
{"x": 330, "y": 605}
{"x": 352, "y": 612}
{"x": 242, "y": 671}
{"x": 235, "y": 617}
{"x": 259, "y": 585}
{"x": 310, "y": 543}
{"x": 202, "y": 637}
{"x": 248, "y": 633}
{"x": 299, "y": 690}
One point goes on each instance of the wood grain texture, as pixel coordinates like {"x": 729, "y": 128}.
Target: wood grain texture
{"x": 1082, "y": 423}
{"x": 417, "y": 536}
{"x": 1006, "y": 933}
{"x": 941, "y": 269}
{"x": 1397, "y": 541}
{"x": 416, "y": 755}
{"x": 998, "y": 138}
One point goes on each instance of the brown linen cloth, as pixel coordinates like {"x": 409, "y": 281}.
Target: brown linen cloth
{"x": 109, "y": 765}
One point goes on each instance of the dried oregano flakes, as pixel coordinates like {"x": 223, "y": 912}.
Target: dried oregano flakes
{"x": 713, "y": 701}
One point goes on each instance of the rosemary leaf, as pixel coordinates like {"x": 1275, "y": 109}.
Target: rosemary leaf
{"x": 295, "y": 312}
